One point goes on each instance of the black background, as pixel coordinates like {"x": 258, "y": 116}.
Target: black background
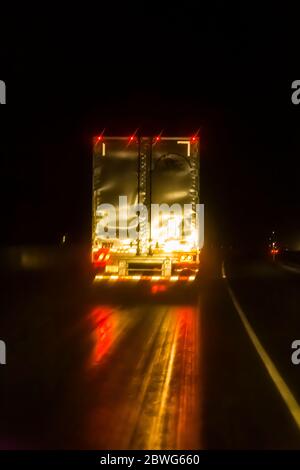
{"x": 224, "y": 69}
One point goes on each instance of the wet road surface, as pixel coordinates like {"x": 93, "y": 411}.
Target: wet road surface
{"x": 131, "y": 366}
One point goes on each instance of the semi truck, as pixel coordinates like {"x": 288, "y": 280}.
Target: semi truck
{"x": 147, "y": 221}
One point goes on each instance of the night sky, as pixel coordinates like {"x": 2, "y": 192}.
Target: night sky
{"x": 227, "y": 71}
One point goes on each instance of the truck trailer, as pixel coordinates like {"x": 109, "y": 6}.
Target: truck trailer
{"x": 147, "y": 222}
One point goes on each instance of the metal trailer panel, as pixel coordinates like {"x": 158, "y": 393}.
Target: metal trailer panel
{"x": 147, "y": 170}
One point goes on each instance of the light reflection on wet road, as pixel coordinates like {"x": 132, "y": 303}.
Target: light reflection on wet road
{"x": 144, "y": 375}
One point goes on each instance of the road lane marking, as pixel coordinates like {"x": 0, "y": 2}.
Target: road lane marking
{"x": 223, "y": 271}
{"x": 292, "y": 269}
{"x": 278, "y": 380}
{"x": 158, "y": 422}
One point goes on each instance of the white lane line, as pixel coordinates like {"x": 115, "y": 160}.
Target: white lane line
{"x": 278, "y": 380}
{"x": 292, "y": 269}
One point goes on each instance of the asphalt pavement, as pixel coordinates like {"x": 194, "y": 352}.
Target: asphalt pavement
{"x": 135, "y": 365}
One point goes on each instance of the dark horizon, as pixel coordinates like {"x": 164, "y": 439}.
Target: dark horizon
{"x": 223, "y": 81}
